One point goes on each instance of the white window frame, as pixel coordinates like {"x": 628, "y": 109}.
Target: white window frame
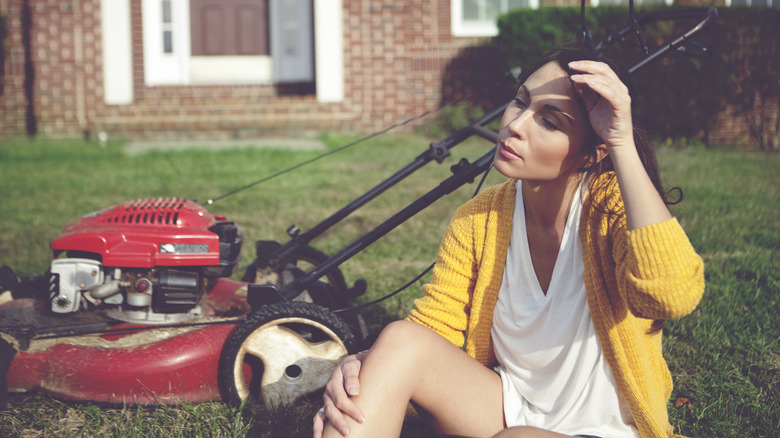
{"x": 329, "y": 48}
{"x": 176, "y": 68}
{"x": 162, "y": 68}
{"x": 117, "y": 38}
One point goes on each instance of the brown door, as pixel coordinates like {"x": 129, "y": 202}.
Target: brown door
{"x": 229, "y": 27}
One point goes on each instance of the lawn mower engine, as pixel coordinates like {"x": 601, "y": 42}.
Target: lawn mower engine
{"x": 146, "y": 261}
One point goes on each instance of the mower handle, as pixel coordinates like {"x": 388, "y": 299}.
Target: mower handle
{"x": 705, "y": 16}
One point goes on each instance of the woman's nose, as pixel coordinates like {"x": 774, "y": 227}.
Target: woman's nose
{"x": 519, "y": 122}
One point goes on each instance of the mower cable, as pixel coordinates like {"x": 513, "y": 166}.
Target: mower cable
{"x": 419, "y": 276}
{"x": 349, "y": 145}
{"x": 390, "y": 295}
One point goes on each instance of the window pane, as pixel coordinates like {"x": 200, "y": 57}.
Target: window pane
{"x": 166, "y": 11}
{"x": 167, "y": 41}
{"x": 166, "y": 26}
{"x": 471, "y": 10}
{"x": 492, "y": 9}
{"x": 511, "y": 5}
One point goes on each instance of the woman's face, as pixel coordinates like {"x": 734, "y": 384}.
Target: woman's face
{"x": 542, "y": 130}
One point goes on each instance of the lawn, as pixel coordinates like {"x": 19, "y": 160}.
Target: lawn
{"x": 724, "y": 357}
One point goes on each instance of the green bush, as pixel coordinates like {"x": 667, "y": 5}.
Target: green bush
{"x": 677, "y": 96}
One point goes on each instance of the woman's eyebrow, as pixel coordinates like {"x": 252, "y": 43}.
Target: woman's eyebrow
{"x": 566, "y": 115}
{"x": 524, "y": 90}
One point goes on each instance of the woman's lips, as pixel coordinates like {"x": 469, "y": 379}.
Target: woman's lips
{"x": 509, "y": 154}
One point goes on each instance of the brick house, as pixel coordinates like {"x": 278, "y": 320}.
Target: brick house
{"x": 223, "y": 69}
{"x": 175, "y": 69}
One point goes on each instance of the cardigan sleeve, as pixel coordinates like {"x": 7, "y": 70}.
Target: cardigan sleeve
{"x": 662, "y": 271}
{"x": 659, "y": 274}
{"x": 444, "y": 307}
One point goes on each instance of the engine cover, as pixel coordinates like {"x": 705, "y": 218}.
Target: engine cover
{"x": 146, "y": 261}
{"x": 148, "y": 233}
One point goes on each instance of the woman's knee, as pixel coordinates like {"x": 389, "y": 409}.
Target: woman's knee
{"x": 397, "y": 334}
{"x": 404, "y": 340}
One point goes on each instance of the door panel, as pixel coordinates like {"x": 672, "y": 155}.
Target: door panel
{"x": 229, "y": 27}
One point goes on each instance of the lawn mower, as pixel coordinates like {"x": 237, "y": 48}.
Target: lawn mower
{"x": 138, "y": 305}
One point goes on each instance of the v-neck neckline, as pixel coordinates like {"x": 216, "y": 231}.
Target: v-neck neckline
{"x": 526, "y": 247}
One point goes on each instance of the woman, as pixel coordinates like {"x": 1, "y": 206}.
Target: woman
{"x": 543, "y": 316}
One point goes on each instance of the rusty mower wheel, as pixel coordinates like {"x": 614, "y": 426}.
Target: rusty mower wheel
{"x": 281, "y": 352}
{"x": 306, "y": 259}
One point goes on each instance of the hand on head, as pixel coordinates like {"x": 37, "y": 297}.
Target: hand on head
{"x": 607, "y": 101}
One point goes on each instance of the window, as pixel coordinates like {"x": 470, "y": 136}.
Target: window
{"x": 227, "y": 41}
{"x": 478, "y": 17}
{"x": 166, "y": 36}
{"x": 167, "y": 28}
{"x": 625, "y": 2}
{"x": 755, "y": 3}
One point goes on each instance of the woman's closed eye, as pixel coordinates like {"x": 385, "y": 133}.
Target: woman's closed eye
{"x": 549, "y": 125}
{"x": 546, "y": 122}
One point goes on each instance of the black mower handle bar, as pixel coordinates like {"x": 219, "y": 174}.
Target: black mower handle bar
{"x": 437, "y": 151}
{"x": 705, "y": 16}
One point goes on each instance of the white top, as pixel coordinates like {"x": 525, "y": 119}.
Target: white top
{"x": 553, "y": 372}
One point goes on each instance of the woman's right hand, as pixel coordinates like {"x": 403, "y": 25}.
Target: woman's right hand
{"x": 343, "y": 385}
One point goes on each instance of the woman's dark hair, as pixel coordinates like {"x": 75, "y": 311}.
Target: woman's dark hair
{"x": 562, "y": 56}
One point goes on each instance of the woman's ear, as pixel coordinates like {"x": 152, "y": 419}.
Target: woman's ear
{"x": 601, "y": 152}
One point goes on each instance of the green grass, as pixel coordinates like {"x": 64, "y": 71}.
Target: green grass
{"x": 724, "y": 357}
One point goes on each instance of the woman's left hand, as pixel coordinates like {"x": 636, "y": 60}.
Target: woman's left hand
{"x": 607, "y": 101}
{"x": 609, "y": 109}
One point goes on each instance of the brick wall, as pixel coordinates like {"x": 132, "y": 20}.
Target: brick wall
{"x": 400, "y": 60}
{"x": 13, "y": 103}
{"x": 730, "y": 126}
{"x": 66, "y": 56}
{"x": 395, "y": 55}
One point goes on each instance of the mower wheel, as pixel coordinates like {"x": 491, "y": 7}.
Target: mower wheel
{"x": 7, "y": 353}
{"x": 281, "y": 352}
{"x": 334, "y": 295}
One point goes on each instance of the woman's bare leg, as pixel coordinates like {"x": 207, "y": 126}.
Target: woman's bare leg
{"x": 411, "y": 362}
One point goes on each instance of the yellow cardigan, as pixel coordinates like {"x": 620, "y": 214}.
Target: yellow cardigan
{"x": 631, "y": 278}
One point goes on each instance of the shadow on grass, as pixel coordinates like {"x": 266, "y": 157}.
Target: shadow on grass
{"x": 295, "y": 421}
